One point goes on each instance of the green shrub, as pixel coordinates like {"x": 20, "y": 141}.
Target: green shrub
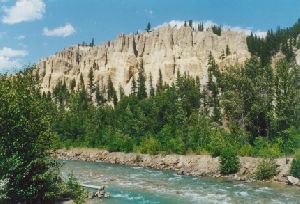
{"x": 291, "y": 140}
{"x": 229, "y": 161}
{"x": 263, "y": 148}
{"x": 176, "y": 145}
{"x": 295, "y": 168}
{"x": 120, "y": 142}
{"x": 246, "y": 150}
{"x": 150, "y": 145}
{"x": 266, "y": 169}
{"x": 217, "y": 144}
{"x": 72, "y": 189}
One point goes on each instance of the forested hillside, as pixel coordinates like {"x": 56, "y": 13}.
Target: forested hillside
{"x": 253, "y": 109}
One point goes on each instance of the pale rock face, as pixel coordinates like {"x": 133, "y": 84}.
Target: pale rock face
{"x": 167, "y": 48}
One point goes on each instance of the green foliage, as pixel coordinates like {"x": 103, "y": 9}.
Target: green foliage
{"x": 187, "y": 117}
{"x": 111, "y": 92}
{"x": 26, "y": 140}
{"x": 281, "y": 39}
{"x": 148, "y": 27}
{"x": 149, "y": 145}
{"x": 160, "y": 83}
{"x": 229, "y": 161}
{"x": 227, "y": 50}
{"x": 152, "y": 93}
{"x": 91, "y": 83}
{"x": 216, "y": 30}
{"x": 73, "y": 190}
{"x": 200, "y": 27}
{"x": 290, "y": 140}
{"x": 295, "y": 167}
{"x": 120, "y": 142}
{"x": 133, "y": 87}
{"x": 266, "y": 169}
{"x": 264, "y": 148}
{"x": 141, "y": 90}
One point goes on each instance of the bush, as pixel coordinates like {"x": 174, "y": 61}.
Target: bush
{"x": 291, "y": 140}
{"x": 150, "y": 145}
{"x": 229, "y": 161}
{"x": 74, "y": 190}
{"x": 266, "y": 169}
{"x": 295, "y": 168}
{"x": 263, "y": 148}
{"x": 246, "y": 150}
{"x": 217, "y": 143}
{"x": 120, "y": 142}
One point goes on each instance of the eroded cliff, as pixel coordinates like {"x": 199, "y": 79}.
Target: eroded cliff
{"x": 168, "y": 49}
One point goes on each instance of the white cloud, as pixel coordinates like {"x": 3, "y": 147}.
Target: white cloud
{"x": 63, "y": 31}
{"x": 21, "y": 37}
{"x": 24, "y": 10}
{"x": 6, "y": 63}
{"x": 10, "y": 58}
{"x": 8, "y": 52}
{"x": 209, "y": 23}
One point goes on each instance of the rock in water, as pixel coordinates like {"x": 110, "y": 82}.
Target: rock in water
{"x": 99, "y": 194}
{"x": 292, "y": 180}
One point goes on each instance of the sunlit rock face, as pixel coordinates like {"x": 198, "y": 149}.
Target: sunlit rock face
{"x": 167, "y": 48}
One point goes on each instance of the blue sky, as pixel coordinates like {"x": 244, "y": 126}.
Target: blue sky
{"x": 32, "y": 29}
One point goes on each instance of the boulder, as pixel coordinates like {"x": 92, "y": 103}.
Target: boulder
{"x": 292, "y": 180}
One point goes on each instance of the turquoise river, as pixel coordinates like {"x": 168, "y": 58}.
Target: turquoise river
{"x": 143, "y": 185}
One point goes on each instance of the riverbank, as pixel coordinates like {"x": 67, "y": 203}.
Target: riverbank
{"x": 194, "y": 165}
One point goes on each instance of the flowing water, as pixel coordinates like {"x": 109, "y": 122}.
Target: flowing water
{"x": 143, "y": 185}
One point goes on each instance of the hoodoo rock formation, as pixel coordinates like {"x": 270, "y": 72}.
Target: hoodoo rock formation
{"x": 167, "y": 48}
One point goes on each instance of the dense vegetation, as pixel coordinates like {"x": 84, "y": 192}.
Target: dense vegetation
{"x": 266, "y": 170}
{"x": 253, "y": 109}
{"x": 284, "y": 40}
{"x": 26, "y": 139}
{"x": 295, "y": 168}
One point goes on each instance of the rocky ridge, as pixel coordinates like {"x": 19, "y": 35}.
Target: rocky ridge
{"x": 167, "y": 48}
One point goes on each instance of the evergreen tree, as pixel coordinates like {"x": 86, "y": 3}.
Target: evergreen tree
{"x": 72, "y": 84}
{"x": 160, "y": 83}
{"x": 92, "y": 43}
{"x": 213, "y": 86}
{"x": 111, "y": 92}
{"x": 200, "y": 27}
{"x": 81, "y": 83}
{"x": 148, "y": 28}
{"x": 191, "y": 23}
{"x": 152, "y": 93}
{"x": 133, "y": 87}
{"x": 141, "y": 92}
{"x": 98, "y": 95}
{"x": 227, "y": 50}
{"x": 121, "y": 91}
{"x": 91, "y": 83}
{"x": 83, "y": 95}
{"x": 216, "y": 30}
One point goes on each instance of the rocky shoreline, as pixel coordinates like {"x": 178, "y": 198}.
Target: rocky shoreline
{"x": 194, "y": 165}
